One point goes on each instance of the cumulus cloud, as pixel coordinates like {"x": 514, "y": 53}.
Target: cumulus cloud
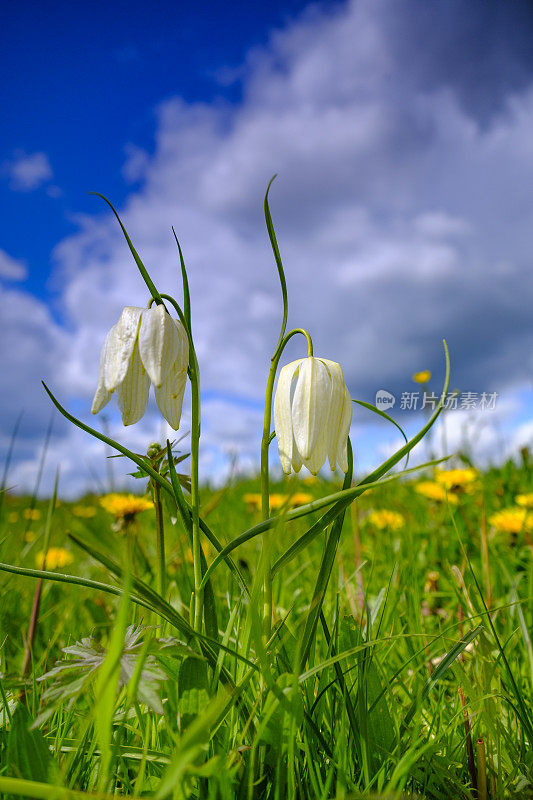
{"x": 403, "y": 210}
{"x": 12, "y": 269}
{"x": 28, "y": 171}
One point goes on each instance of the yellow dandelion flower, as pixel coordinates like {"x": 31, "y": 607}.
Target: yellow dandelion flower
{"x": 512, "y": 520}
{"x": 56, "y": 557}
{"x": 13, "y": 516}
{"x": 435, "y": 491}
{"x": 422, "y": 377}
{"x": 457, "y": 478}
{"x": 125, "y": 506}
{"x": 30, "y": 536}
{"x": 525, "y": 500}
{"x": 85, "y": 512}
{"x": 253, "y": 500}
{"x": 300, "y": 499}
{"x": 32, "y": 513}
{"x": 277, "y": 501}
{"x": 383, "y": 519}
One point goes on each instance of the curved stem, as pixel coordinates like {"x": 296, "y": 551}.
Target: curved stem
{"x": 265, "y": 480}
{"x": 194, "y": 376}
{"x": 267, "y": 420}
{"x": 160, "y": 539}
{"x": 279, "y": 264}
{"x": 195, "y": 493}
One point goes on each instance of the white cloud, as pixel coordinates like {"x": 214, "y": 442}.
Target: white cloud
{"x": 486, "y": 436}
{"x": 400, "y": 218}
{"x": 28, "y": 171}
{"x": 12, "y": 269}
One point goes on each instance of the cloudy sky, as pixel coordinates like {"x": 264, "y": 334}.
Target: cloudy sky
{"x": 402, "y": 137}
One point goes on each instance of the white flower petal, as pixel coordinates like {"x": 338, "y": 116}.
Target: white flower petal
{"x": 338, "y": 388}
{"x": 169, "y": 396}
{"x": 296, "y": 459}
{"x": 283, "y": 416}
{"x": 318, "y": 453}
{"x": 120, "y": 342}
{"x": 132, "y": 394}
{"x": 310, "y": 406}
{"x": 183, "y": 354}
{"x": 159, "y": 343}
{"x": 344, "y": 430}
{"x": 101, "y": 396}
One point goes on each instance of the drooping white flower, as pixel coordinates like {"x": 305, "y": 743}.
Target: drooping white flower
{"x": 146, "y": 345}
{"x": 312, "y": 415}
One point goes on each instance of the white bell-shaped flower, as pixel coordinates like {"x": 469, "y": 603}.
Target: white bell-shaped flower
{"x": 312, "y": 415}
{"x": 146, "y": 345}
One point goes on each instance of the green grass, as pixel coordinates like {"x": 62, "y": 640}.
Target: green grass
{"x": 357, "y": 698}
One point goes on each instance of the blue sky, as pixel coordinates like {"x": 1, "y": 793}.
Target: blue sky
{"x": 401, "y": 134}
{"x": 84, "y": 79}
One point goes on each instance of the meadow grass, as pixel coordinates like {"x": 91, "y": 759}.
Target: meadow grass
{"x": 425, "y": 624}
{"x": 310, "y": 639}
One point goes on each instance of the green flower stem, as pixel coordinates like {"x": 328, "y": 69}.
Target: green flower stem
{"x": 195, "y": 493}
{"x": 265, "y": 481}
{"x": 160, "y": 539}
{"x": 194, "y": 377}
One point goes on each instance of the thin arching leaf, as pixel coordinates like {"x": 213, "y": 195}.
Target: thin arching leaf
{"x": 142, "y": 269}
{"x": 386, "y": 416}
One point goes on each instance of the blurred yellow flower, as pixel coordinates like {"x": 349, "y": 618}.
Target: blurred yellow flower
{"x": 383, "y": 519}
{"x": 300, "y": 499}
{"x": 253, "y": 500}
{"x": 512, "y": 520}
{"x": 435, "y": 491}
{"x": 56, "y": 557}
{"x": 422, "y": 377}
{"x": 457, "y": 478}
{"x": 525, "y": 500}
{"x": 32, "y": 513}
{"x": 84, "y": 511}
{"x": 277, "y": 501}
{"x": 13, "y": 516}
{"x": 125, "y": 506}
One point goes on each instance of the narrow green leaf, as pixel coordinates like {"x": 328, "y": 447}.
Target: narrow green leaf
{"x": 185, "y": 282}
{"x": 279, "y": 264}
{"x": 7, "y": 462}
{"x": 386, "y": 416}
{"x": 28, "y": 755}
{"x": 141, "y": 462}
{"x": 142, "y": 269}
{"x": 193, "y": 689}
{"x": 370, "y": 698}
{"x": 186, "y": 516}
{"x": 324, "y": 573}
{"x": 107, "y": 686}
{"x": 44, "y": 791}
{"x": 342, "y": 499}
{"x": 437, "y": 674}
